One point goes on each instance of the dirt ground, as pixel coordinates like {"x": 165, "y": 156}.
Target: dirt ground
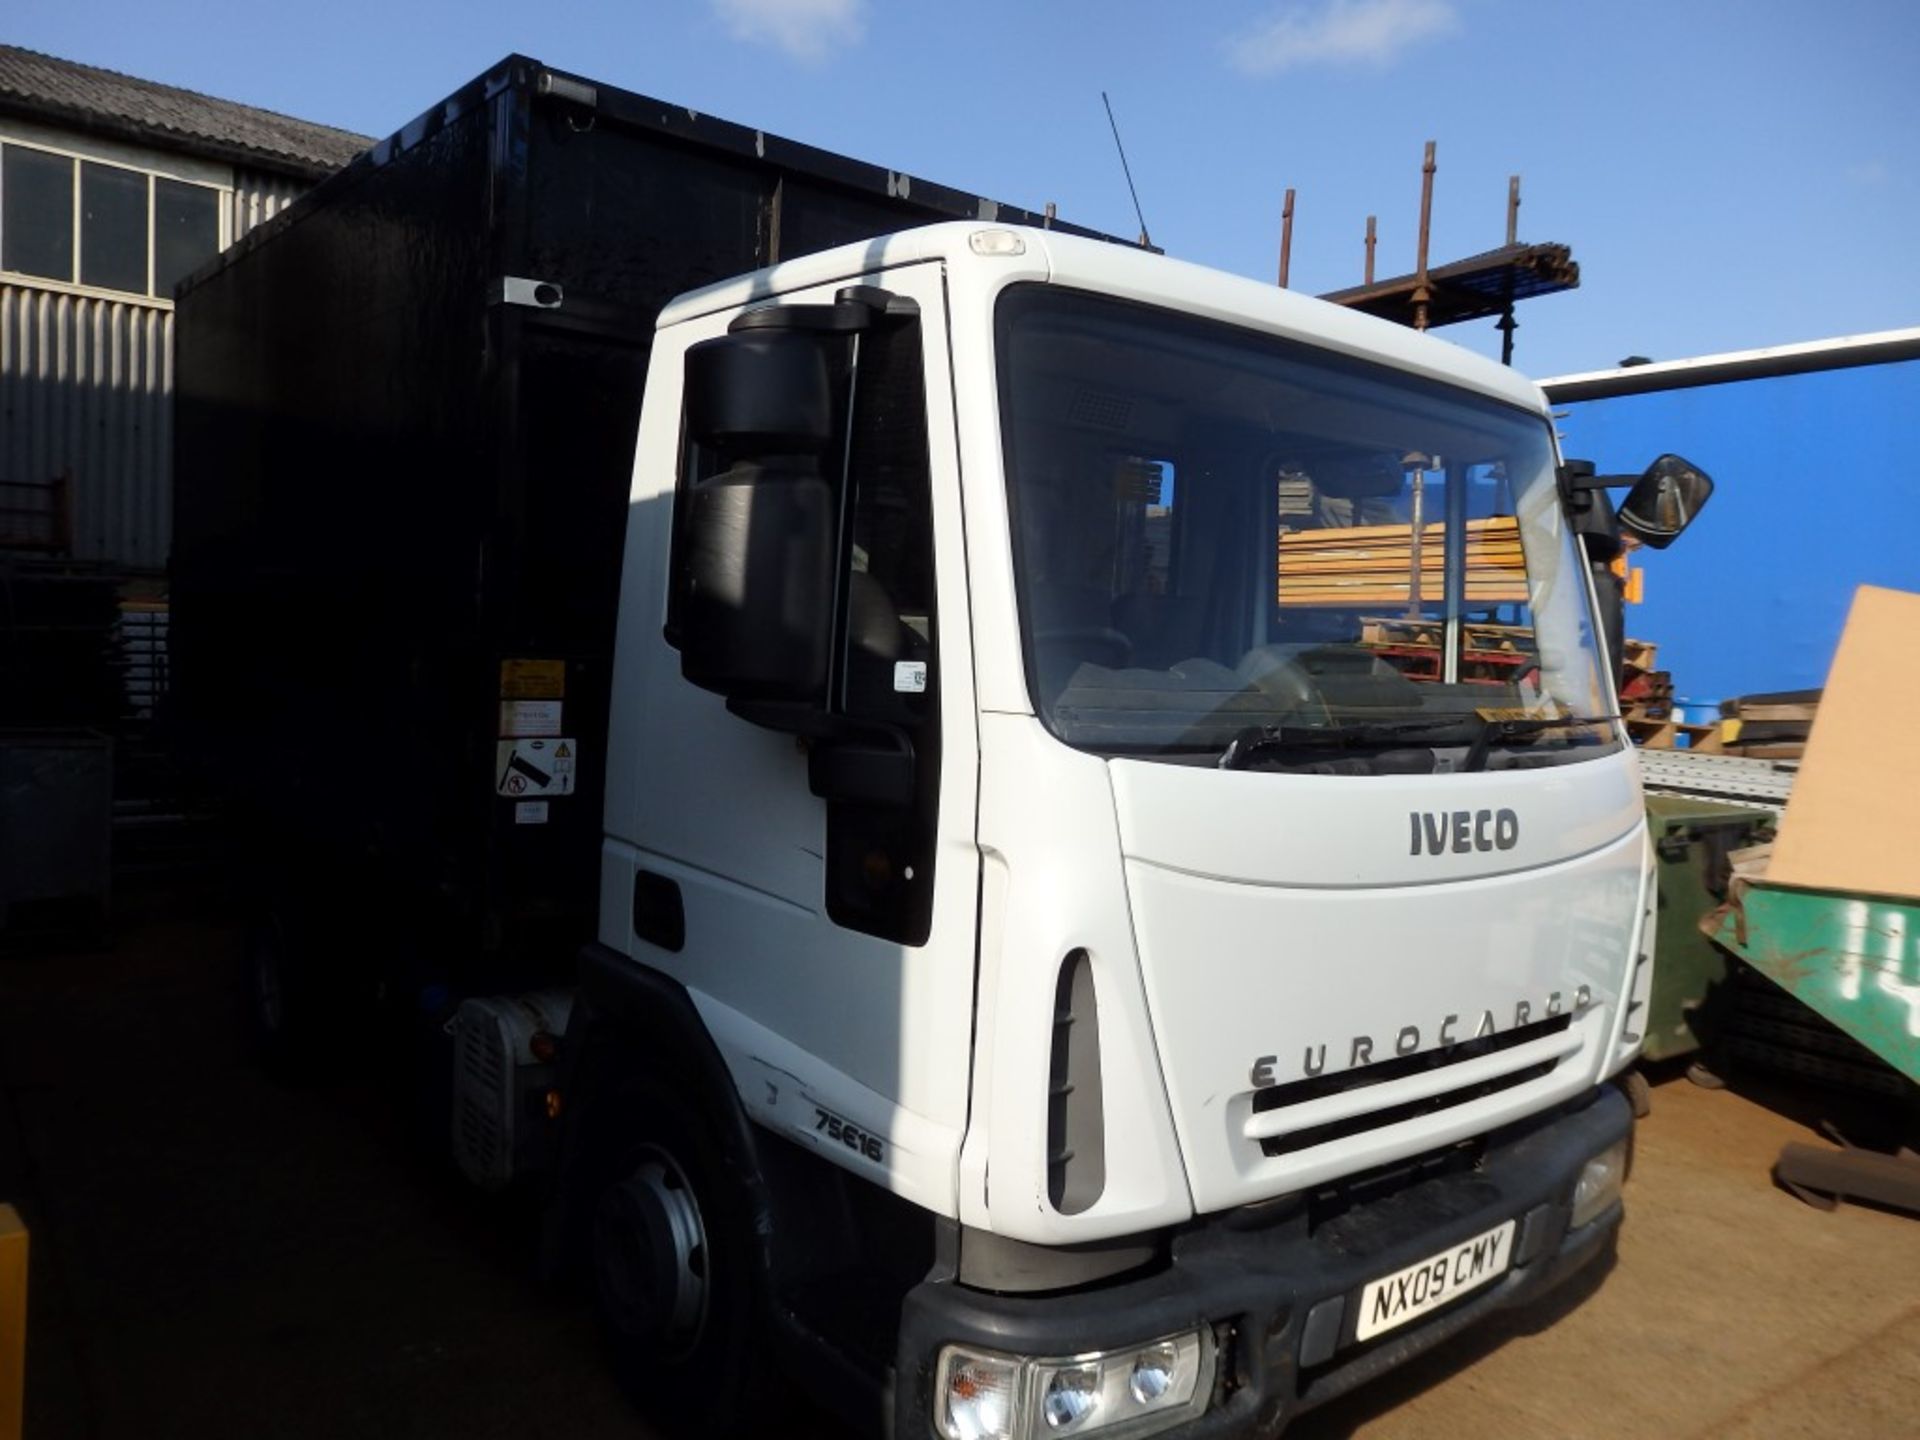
{"x": 215, "y": 1256}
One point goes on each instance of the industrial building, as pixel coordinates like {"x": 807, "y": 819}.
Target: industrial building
{"x": 112, "y": 189}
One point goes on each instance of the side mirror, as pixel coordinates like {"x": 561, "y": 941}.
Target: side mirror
{"x": 759, "y": 543}
{"x": 1664, "y": 501}
{"x": 757, "y": 569}
{"x": 761, "y": 392}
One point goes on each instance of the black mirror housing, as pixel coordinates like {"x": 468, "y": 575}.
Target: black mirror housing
{"x": 762, "y": 392}
{"x": 759, "y": 541}
{"x": 1664, "y": 501}
{"x": 758, "y": 569}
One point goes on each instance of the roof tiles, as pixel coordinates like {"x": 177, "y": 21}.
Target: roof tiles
{"x": 51, "y": 89}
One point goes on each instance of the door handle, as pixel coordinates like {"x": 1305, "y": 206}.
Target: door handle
{"x": 659, "y": 918}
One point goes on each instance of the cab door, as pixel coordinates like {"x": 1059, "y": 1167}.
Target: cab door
{"x": 828, "y": 947}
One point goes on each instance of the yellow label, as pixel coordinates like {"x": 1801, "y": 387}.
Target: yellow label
{"x": 533, "y": 679}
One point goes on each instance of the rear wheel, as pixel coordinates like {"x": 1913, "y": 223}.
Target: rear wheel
{"x": 676, "y": 1279}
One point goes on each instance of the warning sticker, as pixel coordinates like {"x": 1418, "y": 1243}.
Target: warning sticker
{"x": 530, "y": 717}
{"x": 534, "y": 769}
{"x": 533, "y": 679}
{"x": 530, "y": 812}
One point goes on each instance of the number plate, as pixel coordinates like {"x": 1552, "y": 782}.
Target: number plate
{"x": 1393, "y": 1300}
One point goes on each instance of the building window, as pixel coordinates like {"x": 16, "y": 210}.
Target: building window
{"x": 113, "y": 227}
{"x": 36, "y": 213}
{"x": 186, "y": 231}
{"x": 109, "y": 227}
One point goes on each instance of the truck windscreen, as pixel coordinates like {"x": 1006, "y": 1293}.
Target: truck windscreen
{"x": 1222, "y": 536}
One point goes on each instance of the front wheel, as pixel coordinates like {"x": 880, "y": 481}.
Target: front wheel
{"x": 676, "y": 1281}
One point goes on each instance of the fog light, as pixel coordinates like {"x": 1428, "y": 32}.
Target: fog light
{"x": 976, "y": 1395}
{"x": 1070, "y": 1397}
{"x": 1600, "y": 1184}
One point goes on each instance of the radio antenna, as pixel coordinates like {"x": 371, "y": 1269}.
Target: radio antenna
{"x": 1126, "y": 170}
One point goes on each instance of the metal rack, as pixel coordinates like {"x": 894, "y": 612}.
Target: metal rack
{"x": 1762, "y": 784}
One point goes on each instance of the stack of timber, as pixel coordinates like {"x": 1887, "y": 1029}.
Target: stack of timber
{"x": 1375, "y": 565}
{"x": 1646, "y": 700}
{"x": 1768, "y": 727}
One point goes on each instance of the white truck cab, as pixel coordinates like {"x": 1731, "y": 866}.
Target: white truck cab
{"x": 1123, "y": 882}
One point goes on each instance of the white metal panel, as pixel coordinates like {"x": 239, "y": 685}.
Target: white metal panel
{"x": 1256, "y": 985}
{"x": 1047, "y": 820}
{"x": 1779, "y": 359}
{"x": 1310, "y": 831}
{"x": 1131, "y": 273}
{"x": 86, "y": 393}
{"x": 805, "y": 1012}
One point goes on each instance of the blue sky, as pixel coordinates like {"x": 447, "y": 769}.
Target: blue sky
{"x": 1730, "y": 173}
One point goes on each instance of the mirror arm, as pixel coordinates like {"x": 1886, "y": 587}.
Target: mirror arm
{"x": 861, "y": 761}
{"x": 1575, "y": 480}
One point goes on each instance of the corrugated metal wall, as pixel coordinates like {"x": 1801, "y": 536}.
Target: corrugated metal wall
{"x": 86, "y": 393}
{"x": 258, "y": 197}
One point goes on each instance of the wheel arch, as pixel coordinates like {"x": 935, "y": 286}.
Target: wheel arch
{"x": 631, "y": 1023}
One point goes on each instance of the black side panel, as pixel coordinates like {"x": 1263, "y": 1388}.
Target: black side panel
{"x": 552, "y": 563}
{"x": 398, "y": 467}
{"x": 811, "y": 216}
{"x": 635, "y": 219}
{"x": 330, "y": 505}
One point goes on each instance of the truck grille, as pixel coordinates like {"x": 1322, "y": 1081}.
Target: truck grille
{"x": 1289, "y": 1118}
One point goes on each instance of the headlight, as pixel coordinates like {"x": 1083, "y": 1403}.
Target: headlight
{"x": 977, "y": 1395}
{"x": 985, "y": 1395}
{"x": 1600, "y": 1183}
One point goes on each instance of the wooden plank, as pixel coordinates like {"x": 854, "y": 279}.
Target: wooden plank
{"x": 1432, "y": 587}
{"x": 1653, "y": 734}
{"x": 1356, "y": 592}
{"x": 1775, "y": 713}
{"x": 13, "y": 1323}
{"x": 1369, "y": 560}
{"x": 1347, "y": 534}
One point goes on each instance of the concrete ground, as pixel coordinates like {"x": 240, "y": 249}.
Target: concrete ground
{"x": 214, "y": 1256}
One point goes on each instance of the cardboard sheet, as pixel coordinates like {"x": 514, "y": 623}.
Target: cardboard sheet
{"x": 1853, "y": 822}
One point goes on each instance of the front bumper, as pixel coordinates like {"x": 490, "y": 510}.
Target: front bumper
{"x": 1280, "y": 1283}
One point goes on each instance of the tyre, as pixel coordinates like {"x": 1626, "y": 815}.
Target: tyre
{"x": 676, "y": 1277}
{"x": 1639, "y": 1092}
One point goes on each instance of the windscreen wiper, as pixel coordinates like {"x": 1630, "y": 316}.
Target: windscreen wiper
{"x": 1487, "y": 729}
{"x": 1513, "y": 727}
{"x": 1257, "y": 740}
